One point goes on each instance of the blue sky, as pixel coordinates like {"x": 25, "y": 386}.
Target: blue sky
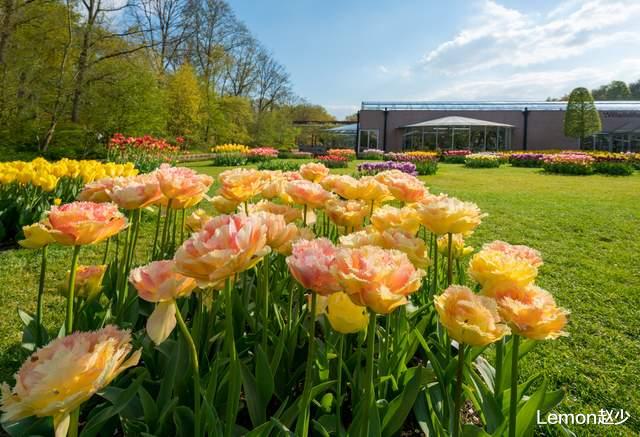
{"x": 339, "y": 53}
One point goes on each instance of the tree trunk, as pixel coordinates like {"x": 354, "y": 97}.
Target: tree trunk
{"x": 82, "y": 68}
{"x": 6, "y": 26}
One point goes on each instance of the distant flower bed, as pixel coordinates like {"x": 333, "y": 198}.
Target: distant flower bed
{"x": 454, "y": 156}
{"x": 526, "y": 159}
{"x": 230, "y": 148}
{"x": 334, "y": 161}
{"x": 426, "y": 162}
{"x": 146, "y": 152}
{"x": 261, "y": 154}
{"x": 349, "y": 154}
{"x": 373, "y": 154}
{"x": 569, "y": 163}
{"x": 373, "y": 168}
{"x": 483, "y": 160}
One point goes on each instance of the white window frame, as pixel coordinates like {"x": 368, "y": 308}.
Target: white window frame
{"x": 368, "y": 131}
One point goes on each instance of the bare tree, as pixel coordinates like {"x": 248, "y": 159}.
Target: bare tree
{"x": 272, "y": 82}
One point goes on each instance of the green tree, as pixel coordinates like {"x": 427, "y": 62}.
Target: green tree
{"x": 183, "y": 102}
{"x": 274, "y": 129}
{"x": 581, "y": 118}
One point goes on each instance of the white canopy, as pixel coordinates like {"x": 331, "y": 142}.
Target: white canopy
{"x": 456, "y": 121}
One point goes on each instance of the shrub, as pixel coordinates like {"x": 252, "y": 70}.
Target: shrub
{"x": 279, "y": 164}
{"x": 569, "y": 163}
{"x": 334, "y": 161}
{"x": 526, "y": 159}
{"x": 373, "y": 168}
{"x": 295, "y": 154}
{"x": 231, "y": 159}
{"x": 454, "y": 156}
{"x": 261, "y": 154}
{"x": 349, "y": 154}
{"x": 483, "y": 160}
{"x": 615, "y": 168}
{"x": 373, "y": 154}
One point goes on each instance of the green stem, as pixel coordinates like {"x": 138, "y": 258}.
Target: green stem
{"x": 157, "y": 232}
{"x": 43, "y": 271}
{"x": 449, "y": 260}
{"x": 233, "y": 395}
{"x": 304, "y": 215}
{"x": 68, "y": 327}
{"x": 434, "y": 283}
{"x": 302, "y": 427}
{"x": 74, "y": 420}
{"x": 497, "y": 390}
{"x": 265, "y": 297}
{"x": 339, "y": 386}
{"x": 194, "y": 364}
{"x": 458, "y": 393}
{"x": 513, "y": 405}
{"x": 106, "y": 251}
{"x": 182, "y": 225}
{"x": 368, "y": 389}
{"x": 165, "y": 228}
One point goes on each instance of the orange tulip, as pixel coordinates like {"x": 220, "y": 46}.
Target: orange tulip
{"x": 307, "y": 193}
{"x": 80, "y": 223}
{"x": 519, "y": 251}
{"x": 136, "y": 192}
{"x": 240, "y": 184}
{"x": 390, "y": 217}
{"x": 347, "y": 213}
{"x": 313, "y": 171}
{"x": 403, "y": 186}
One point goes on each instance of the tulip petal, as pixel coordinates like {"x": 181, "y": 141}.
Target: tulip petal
{"x": 61, "y": 425}
{"x": 162, "y": 321}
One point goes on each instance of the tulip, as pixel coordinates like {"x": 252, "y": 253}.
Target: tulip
{"x": 375, "y": 277}
{"x": 307, "y": 193}
{"x": 402, "y": 186}
{"x": 80, "y": 223}
{"x": 223, "y": 205}
{"x": 311, "y": 264}
{"x": 521, "y": 252}
{"x": 313, "y": 171}
{"x": 135, "y": 193}
{"x": 196, "y": 220}
{"x": 240, "y": 185}
{"x": 344, "y": 316}
{"x": 59, "y": 377}
{"x": 458, "y": 249}
{"x": 497, "y": 270}
{"x": 412, "y": 246}
{"x": 344, "y": 186}
{"x": 98, "y": 191}
{"x": 227, "y": 244}
{"x": 447, "y": 215}
{"x": 289, "y": 213}
{"x": 36, "y": 236}
{"x": 390, "y": 217}
{"x": 88, "y": 283}
{"x": 180, "y": 183}
{"x": 347, "y": 213}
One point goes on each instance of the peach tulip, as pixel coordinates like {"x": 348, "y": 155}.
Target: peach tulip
{"x": 390, "y": 217}
{"x": 241, "y": 184}
{"x": 227, "y": 244}
{"x": 307, "y": 193}
{"x": 80, "y": 223}
{"x": 196, "y": 220}
{"x": 98, "y": 190}
{"x": 344, "y": 186}
{"x": 182, "y": 185}
{"x": 493, "y": 270}
{"x": 88, "y": 281}
{"x": 403, "y": 186}
{"x": 137, "y": 192}
{"x": 443, "y": 215}
{"x": 458, "y": 249}
{"x": 289, "y": 213}
{"x": 158, "y": 282}
{"x": 56, "y": 379}
{"x": 347, "y": 213}
{"x": 371, "y": 190}
{"x": 223, "y": 205}
{"x": 531, "y": 312}
{"x": 469, "y": 318}
{"x": 519, "y": 251}
{"x": 36, "y": 236}
{"x": 414, "y": 247}
{"x": 311, "y": 263}
{"x": 378, "y": 278}
{"x": 313, "y": 171}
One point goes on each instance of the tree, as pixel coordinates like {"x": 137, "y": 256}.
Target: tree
{"x": 581, "y": 118}
{"x": 183, "y": 102}
{"x": 634, "y": 89}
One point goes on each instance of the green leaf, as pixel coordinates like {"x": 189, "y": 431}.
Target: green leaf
{"x": 30, "y": 426}
{"x": 120, "y": 402}
{"x": 264, "y": 377}
{"x": 527, "y": 413}
{"x": 254, "y": 403}
{"x": 171, "y": 349}
{"x": 149, "y": 407}
{"x": 401, "y": 406}
{"x": 184, "y": 420}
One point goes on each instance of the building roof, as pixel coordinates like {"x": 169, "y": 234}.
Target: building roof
{"x": 627, "y": 128}
{"x": 495, "y": 105}
{"x": 457, "y": 121}
{"x": 344, "y": 129}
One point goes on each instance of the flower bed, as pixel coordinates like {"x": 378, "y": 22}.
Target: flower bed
{"x": 261, "y": 154}
{"x": 278, "y": 164}
{"x": 334, "y": 161}
{"x": 526, "y": 159}
{"x": 349, "y": 154}
{"x": 569, "y": 163}
{"x": 372, "y": 154}
{"x": 146, "y": 152}
{"x": 454, "y": 156}
{"x": 230, "y": 148}
{"x": 373, "y": 168}
{"x": 229, "y": 159}
{"x": 27, "y": 189}
{"x": 310, "y": 300}
{"x": 295, "y": 154}
{"x": 426, "y": 162}
{"x": 483, "y": 160}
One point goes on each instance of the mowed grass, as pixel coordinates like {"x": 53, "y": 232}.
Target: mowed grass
{"x": 587, "y": 228}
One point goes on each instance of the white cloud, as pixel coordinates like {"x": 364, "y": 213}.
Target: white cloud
{"x": 341, "y": 111}
{"x": 500, "y": 36}
{"x": 538, "y": 84}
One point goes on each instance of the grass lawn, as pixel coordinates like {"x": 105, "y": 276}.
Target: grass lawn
{"x": 587, "y": 228}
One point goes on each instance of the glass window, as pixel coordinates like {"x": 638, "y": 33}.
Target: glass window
{"x": 369, "y": 139}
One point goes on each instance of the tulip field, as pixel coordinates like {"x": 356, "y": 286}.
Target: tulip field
{"x": 194, "y": 300}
